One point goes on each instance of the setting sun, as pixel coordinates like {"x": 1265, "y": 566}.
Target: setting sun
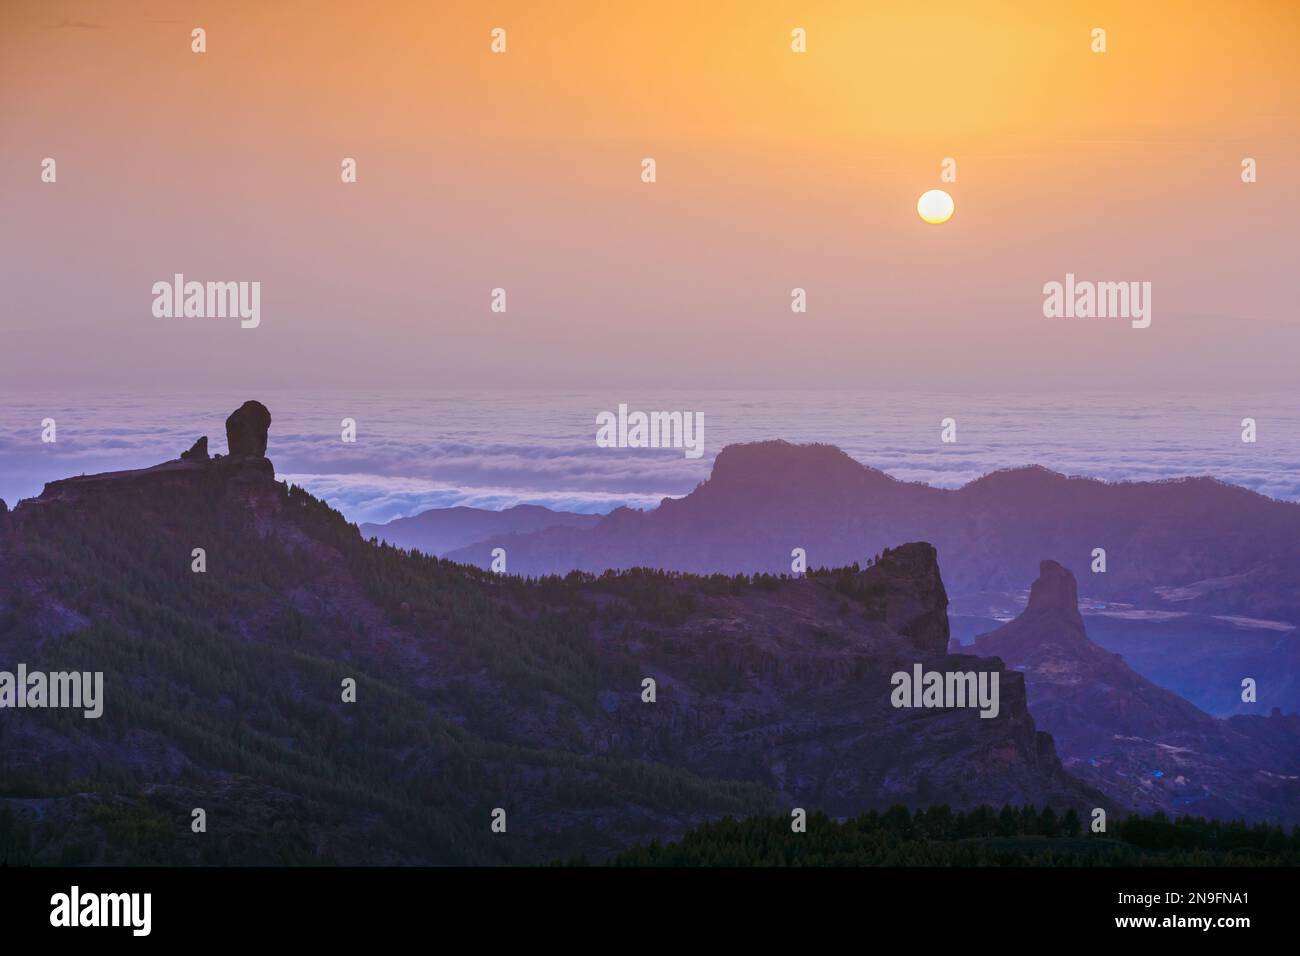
{"x": 935, "y": 206}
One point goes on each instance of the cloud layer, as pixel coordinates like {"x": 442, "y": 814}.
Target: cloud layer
{"x": 495, "y": 450}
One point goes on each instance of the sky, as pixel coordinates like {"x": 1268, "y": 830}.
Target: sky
{"x": 522, "y": 171}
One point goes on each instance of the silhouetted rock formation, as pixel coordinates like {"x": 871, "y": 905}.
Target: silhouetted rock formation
{"x": 198, "y": 451}
{"x": 906, "y": 586}
{"x": 1055, "y": 590}
{"x": 1136, "y": 741}
{"x": 246, "y": 430}
{"x": 246, "y": 473}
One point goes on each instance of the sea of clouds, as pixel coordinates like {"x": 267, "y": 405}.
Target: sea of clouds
{"x": 416, "y": 451}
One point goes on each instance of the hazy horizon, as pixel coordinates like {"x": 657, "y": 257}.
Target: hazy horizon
{"x": 439, "y": 449}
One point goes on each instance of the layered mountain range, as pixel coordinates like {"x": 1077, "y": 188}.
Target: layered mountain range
{"x": 232, "y": 616}
{"x": 1189, "y": 544}
{"x": 1199, "y": 585}
{"x": 441, "y": 530}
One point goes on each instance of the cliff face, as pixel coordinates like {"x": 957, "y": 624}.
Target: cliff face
{"x": 1139, "y": 742}
{"x": 914, "y": 599}
{"x": 473, "y": 691}
{"x": 789, "y": 685}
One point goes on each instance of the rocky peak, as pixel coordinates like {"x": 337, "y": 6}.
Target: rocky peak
{"x": 246, "y": 430}
{"x": 1055, "y": 589}
{"x": 198, "y": 451}
{"x": 916, "y": 604}
{"x": 246, "y": 472}
{"x": 1049, "y": 629}
{"x": 779, "y": 466}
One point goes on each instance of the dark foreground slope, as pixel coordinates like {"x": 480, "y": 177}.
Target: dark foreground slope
{"x": 985, "y": 836}
{"x": 474, "y": 692}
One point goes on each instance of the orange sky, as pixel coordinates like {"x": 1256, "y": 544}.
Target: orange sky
{"x": 775, "y": 170}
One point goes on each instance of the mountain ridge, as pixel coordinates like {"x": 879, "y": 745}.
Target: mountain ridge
{"x": 1167, "y": 542}
{"x": 473, "y": 690}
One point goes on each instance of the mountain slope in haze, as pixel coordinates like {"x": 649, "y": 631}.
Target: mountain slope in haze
{"x": 1204, "y": 657}
{"x": 224, "y": 689}
{"x": 1141, "y": 743}
{"x": 440, "y": 530}
{"x": 1191, "y": 544}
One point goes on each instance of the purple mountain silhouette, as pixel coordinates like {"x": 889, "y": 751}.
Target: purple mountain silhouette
{"x": 440, "y": 530}
{"x": 1194, "y": 544}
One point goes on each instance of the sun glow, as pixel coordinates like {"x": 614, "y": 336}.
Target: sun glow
{"x": 935, "y": 206}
